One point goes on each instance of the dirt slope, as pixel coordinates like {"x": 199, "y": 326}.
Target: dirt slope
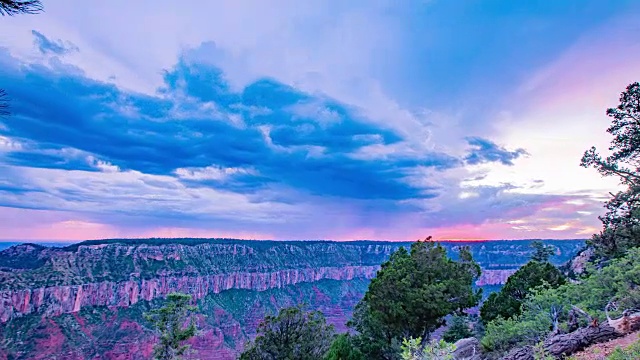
{"x": 602, "y": 350}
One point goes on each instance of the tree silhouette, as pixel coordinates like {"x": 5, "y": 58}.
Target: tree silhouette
{"x": 4, "y": 103}
{"x": 621, "y": 223}
{"x": 14, "y": 7}
{"x": 10, "y": 8}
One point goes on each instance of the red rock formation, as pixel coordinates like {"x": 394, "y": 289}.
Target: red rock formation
{"x": 494, "y": 277}
{"x": 98, "y": 284}
{"x": 56, "y": 300}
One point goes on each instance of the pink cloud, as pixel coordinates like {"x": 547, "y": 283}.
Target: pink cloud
{"x": 28, "y": 224}
{"x": 32, "y": 225}
{"x": 560, "y": 219}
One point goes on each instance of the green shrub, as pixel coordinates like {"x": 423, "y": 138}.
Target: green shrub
{"x": 458, "y": 329}
{"x": 169, "y": 323}
{"x": 434, "y": 350}
{"x": 504, "y": 334}
{"x": 344, "y": 348}
{"x": 619, "y": 280}
{"x": 294, "y": 333}
{"x": 508, "y": 301}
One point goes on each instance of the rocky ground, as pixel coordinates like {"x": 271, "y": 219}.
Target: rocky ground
{"x": 602, "y": 350}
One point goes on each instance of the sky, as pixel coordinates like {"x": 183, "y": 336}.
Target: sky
{"x": 376, "y": 119}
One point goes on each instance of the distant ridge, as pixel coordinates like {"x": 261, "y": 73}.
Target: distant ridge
{"x": 70, "y": 245}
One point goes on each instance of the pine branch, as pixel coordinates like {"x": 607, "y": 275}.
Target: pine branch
{"x": 4, "y": 103}
{"x": 15, "y": 7}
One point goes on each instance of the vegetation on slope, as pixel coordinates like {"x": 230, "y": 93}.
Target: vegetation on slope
{"x": 415, "y": 349}
{"x": 614, "y": 275}
{"x": 536, "y": 273}
{"x": 458, "y": 328}
{"x": 411, "y": 295}
{"x": 549, "y": 309}
{"x": 168, "y": 321}
{"x": 631, "y": 352}
{"x": 344, "y": 348}
{"x": 293, "y": 334}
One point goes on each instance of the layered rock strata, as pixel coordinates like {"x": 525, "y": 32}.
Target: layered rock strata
{"x": 57, "y": 300}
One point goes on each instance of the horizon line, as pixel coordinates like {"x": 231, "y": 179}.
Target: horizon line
{"x": 26, "y": 241}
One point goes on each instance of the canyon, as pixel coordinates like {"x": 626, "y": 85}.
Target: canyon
{"x": 86, "y": 301}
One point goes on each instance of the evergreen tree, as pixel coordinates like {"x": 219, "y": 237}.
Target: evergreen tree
{"x": 169, "y": 321}
{"x": 411, "y": 295}
{"x": 542, "y": 252}
{"x": 294, "y": 334}
{"x": 344, "y": 348}
{"x": 621, "y": 223}
{"x": 458, "y": 329}
{"x": 508, "y": 301}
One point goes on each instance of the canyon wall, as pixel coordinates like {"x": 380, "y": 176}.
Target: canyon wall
{"x": 86, "y": 301}
{"x": 56, "y": 300}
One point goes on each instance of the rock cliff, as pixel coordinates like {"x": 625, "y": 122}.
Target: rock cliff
{"x": 56, "y": 300}
{"x": 86, "y": 301}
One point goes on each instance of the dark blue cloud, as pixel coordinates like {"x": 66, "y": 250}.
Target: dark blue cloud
{"x": 484, "y": 151}
{"x": 290, "y": 138}
{"x": 44, "y": 160}
{"x": 46, "y": 45}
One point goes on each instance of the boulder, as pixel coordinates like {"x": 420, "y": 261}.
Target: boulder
{"x": 467, "y": 349}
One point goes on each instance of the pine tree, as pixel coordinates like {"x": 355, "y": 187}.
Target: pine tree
{"x": 343, "y": 348}
{"x": 458, "y": 329}
{"x": 294, "y": 334}
{"x": 508, "y": 301}
{"x": 411, "y": 295}
{"x": 169, "y": 321}
{"x": 542, "y": 252}
{"x": 621, "y": 223}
